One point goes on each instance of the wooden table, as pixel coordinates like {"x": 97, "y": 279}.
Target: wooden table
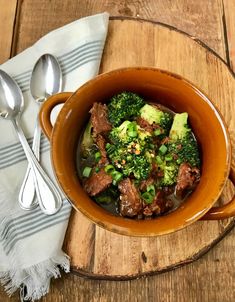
{"x": 212, "y": 278}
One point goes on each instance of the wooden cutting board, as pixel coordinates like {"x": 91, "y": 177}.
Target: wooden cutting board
{"x": 101, "y": 254}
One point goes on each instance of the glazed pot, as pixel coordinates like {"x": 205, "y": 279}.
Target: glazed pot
{"x": 154, "y": 85}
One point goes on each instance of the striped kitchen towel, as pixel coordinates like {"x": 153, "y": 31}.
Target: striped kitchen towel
{"x": 31, "y": 242}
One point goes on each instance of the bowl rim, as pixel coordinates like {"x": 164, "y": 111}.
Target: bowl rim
{"x": 122, "y": 230}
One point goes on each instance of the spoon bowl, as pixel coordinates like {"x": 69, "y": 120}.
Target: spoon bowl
{"x": 46, "y": 78}
{"x": 11, "y": 97}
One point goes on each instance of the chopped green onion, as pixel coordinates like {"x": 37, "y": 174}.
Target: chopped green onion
{"x": 179, "y": 161}
{"x": 159, "y": 160}
{"x": 97, "y": 169}
{"x": 132, "y": 127}
{"x": 109, "y": 169}
{"x": 108, "y": 145}
{"x": 151, "y": 190}
{"x": 163, "y": 149}
{"x": 97, "y": 156}
{"x": 132, "y": 133}
{"x": 104, "y": 199}
{"x": 86, "y": 172}
{"x": 157, "y": 132}
{"x": 116, "y": 176}
{"x": 148, "y": 198}
{"x": 168, "y": 157}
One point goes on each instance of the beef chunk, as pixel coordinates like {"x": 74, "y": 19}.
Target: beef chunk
{"x": 97, "y": 183}
{"x": 100, "y": 141}
{"x": 159, "y": 205}
{"x": 187, "y": 178}
{"x": 146, "y": 126}
{"x": 130, "y": 201}
{"x": 99, "y": 118}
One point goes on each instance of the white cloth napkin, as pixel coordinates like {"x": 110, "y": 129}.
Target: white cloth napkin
{"x": 30, "y": 242}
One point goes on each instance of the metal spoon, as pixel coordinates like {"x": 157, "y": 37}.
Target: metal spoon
{"x": 46, "y": 80}
{"x": 11, "y": 106}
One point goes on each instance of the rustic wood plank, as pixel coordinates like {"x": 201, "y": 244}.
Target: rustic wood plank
{"x": 201, "y": 19}
{"x": 229, "y": 15}
{"x": 209, "y": 279}
{"x": 7, "y": 18}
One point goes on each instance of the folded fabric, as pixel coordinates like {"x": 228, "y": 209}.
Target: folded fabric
{"x": 31, "y": 242}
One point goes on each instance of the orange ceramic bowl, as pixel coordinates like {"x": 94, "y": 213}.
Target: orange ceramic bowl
{"x": 159, "y": 86}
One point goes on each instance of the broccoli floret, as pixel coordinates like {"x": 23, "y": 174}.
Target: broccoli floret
{"x": 129, "y": 160}
{"x": 138, "y": 165}
{"x": 169, "y": 169}
{"x": 170, "y": 174}
{"x": 143, "y": 134}
{"x": 124, "y": 106}
{"x": 182, "y": 147}
{"x": 153, "y": 115}
{"x": 87, "y": 139}
{"x": 179, "y": 128}
{"x": 120, "y": 134}
{"x": 129, "y": 132}
{"x": 182, "y": 144}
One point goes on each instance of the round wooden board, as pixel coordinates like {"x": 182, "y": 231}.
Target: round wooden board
{"x": 101, "y": 254}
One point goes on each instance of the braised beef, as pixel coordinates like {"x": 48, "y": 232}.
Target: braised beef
{"x": 99, "y": 119}
{"x": 97, "y": 182}
{"x": 146, "y": 126}
{"x": 187, "y": 178}
{"x": 165, "y": 140}
{"x": 160, "y": 205}
{"x": 100, "y": 141}
{"x": 130, "y": 201}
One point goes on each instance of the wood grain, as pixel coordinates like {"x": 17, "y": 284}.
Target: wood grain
{"x": 39, "y": 17}
{"x": 229, "y": 15}
{"x": 212, "y": 277}
{"x": 7, "y": 18}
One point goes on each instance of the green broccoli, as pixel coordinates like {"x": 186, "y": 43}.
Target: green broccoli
{"x": 87, "y": 139}
{"x": 169, "y": 168}
{"x": 129, "y": 132}
{"x": 129, "y": 149}
{"x": 124, "y": 133}
{"x": 124, "y": 106}
{"x": 143, "y": 134}
{"x": 182, "y": 145}
{"x": 179, "y": 128}
{"x": 138, "y": 165}
{"x": 131, "y": 159}
{"x": 153, "y": 115}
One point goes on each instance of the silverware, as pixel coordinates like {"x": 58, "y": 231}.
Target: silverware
{"x": 11, "y": 107}
{"x": 46, "y": 80}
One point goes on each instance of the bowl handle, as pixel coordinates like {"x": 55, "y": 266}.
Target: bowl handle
{"x": 46, "y": 108}
{"x": 225, "y": 211}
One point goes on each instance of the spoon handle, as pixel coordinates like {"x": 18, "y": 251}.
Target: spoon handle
{"x": 27, "y": 198}
{"x": 48, "y": 195}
